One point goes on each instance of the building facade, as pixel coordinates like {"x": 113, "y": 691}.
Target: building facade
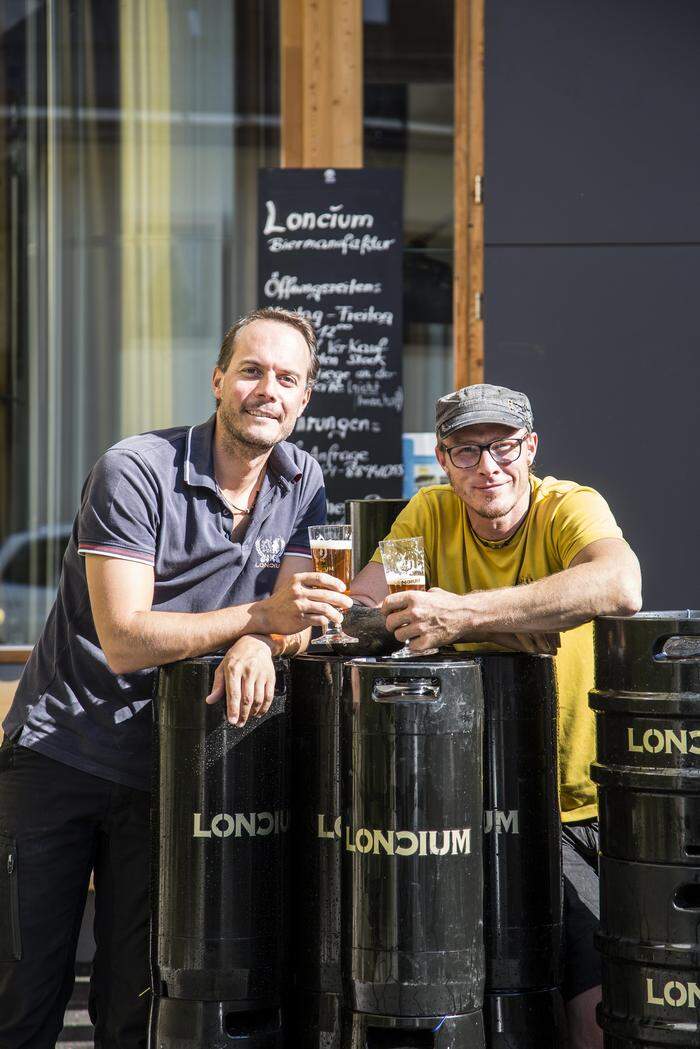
{"x": 131, "y": 135}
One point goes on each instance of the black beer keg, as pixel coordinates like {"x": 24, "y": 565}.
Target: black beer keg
{"x": 222, "y": 879}
{"x": 315, "y": 852}
{"x": 522, "y": 837}
{"x": 525, "y": 1019}
{"x": 522, "y": 853}
{"x": 371, "y": 520}
{"x": 412, "y": 850}
{"x": 367, "y": 1031}
{"x": 647, "y": 703}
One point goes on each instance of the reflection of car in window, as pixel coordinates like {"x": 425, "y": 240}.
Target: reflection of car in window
{"x": 30, "y": 564}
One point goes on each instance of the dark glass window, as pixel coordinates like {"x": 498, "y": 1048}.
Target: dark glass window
{"x": 130, "y": 138}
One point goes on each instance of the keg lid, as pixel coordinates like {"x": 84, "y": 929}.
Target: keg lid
{"x": 414, "y": 663}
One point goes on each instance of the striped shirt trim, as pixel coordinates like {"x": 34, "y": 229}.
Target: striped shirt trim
{"x": 296, "y": 551}
{"x": 121, "y": 555}
{"x": 188, "y": 453}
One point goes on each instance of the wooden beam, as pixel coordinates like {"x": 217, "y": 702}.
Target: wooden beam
{"x": 321, "y": 50}
{"x": 292, "y": 83}
{"x": 468, "y": 281}
{"x": 15, "y": 655}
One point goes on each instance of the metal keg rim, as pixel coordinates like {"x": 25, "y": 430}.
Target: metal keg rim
{"x": 414, "y": 663}
{"x": 642, "y": 778}
{"x": 647, "y": 704}
{"x": 450, "y": 652}
{"x": 373, "y": 500}
{"x": 515, "y": 655}
{"x": 319, "y": 657}
{"x": 447, "y": 657}
{"x": 649, "y": 953}
{"x": 208, "y": 659}
{"x": 684, "y": 614}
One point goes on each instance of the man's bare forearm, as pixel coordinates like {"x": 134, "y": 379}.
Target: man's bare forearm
{"x": 148, "y": 639}
{"x": 558, "y": 602}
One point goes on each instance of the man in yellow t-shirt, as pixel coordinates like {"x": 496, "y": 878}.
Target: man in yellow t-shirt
{"x": 524, "y": 562}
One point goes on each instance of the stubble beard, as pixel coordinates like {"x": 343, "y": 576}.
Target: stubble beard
{"x": 235, "y": 438}
{"x": 492, "y": 513}
{"x": 487, "y": 510}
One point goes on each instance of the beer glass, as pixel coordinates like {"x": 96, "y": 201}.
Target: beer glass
{"x": 404, "y": 568}
{"x": 331, "y": 552}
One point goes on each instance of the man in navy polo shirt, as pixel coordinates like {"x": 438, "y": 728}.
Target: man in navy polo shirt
{"x": 187, "y": 541}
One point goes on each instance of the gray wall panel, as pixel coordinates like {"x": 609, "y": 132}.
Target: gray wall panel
{"x": 607, "y": 341}
{"x": 591, "y": 144}
{"x": 592, "y": 111}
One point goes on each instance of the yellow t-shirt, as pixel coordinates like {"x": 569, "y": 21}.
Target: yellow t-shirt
{"x": 563, "y": 518}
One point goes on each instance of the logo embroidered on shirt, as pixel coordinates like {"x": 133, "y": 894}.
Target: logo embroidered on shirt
{"x": 270, "y": 551}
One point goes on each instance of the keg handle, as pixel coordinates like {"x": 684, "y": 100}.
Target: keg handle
{"x": 683, "y": 648}
{"x": 687, "y": 897}
{"x": 406, "y": 690}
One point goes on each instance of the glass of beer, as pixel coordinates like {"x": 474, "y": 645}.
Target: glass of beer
{"x": 404, "y": 568}
{"x": 331, "y": 551}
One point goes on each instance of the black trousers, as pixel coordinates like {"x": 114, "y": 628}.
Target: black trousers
{"x": 57, "y": 825}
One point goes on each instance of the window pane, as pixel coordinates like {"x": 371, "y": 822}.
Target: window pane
{"x": 130, "y": 138}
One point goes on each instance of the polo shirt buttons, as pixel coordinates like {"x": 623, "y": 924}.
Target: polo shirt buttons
{"x": 226, "y": 522}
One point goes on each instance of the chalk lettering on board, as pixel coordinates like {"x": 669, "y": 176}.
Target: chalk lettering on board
{"x": 362, "y": 245}
{"x": 331, "y": 250}
{"x": 334, "y": 218}
{"x": 327, "y": 331}
{"x": 374, "y": 470}
{"x": 315, "y": 316}
{"x": 392, "y": 401}
{"x": 335, "y": 460}
{"x": 285, "y": 286}
{"x": 370, "y": 315}
{"x": 332, "y": 426}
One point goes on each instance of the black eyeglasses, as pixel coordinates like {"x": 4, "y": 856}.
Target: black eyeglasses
{"x": 503, "y": 451}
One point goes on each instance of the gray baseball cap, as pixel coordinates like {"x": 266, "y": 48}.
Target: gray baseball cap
{"x": 481, "y": 403}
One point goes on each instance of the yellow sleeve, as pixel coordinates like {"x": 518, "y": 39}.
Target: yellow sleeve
{"x": 413, "y": 520}
{"x": 581, "y": 517}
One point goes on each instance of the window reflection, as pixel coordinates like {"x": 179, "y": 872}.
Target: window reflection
{"x": 129, "y": 133}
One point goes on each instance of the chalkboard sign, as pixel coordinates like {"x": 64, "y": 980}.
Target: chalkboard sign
{"x": 329, "y": 246}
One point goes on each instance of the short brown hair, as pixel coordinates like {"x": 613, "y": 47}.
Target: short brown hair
{"x": 282, "y": 316}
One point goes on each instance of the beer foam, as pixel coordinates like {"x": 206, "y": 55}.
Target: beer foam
{"x": 331, "y": 544}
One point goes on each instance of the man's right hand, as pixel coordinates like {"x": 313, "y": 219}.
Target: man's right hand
{"x": 246, "y": 677}
{"x": 305, "y": 599}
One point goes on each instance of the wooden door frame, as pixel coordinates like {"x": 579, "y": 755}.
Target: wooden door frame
{"x": 322, "y": 97}
{"x": 468, "y": 282}
{"x": 322, "y": 106}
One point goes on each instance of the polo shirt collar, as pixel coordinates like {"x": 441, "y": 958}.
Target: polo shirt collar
{"x": 199, "y": 455}
{"x": 284, "y": 466}
{"x": 199, "y": 459}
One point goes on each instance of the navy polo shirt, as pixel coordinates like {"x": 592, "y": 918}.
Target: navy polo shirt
{"x": 152, "y": 498}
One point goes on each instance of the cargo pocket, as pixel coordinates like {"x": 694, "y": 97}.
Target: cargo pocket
{"x": 10, "y": 940}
